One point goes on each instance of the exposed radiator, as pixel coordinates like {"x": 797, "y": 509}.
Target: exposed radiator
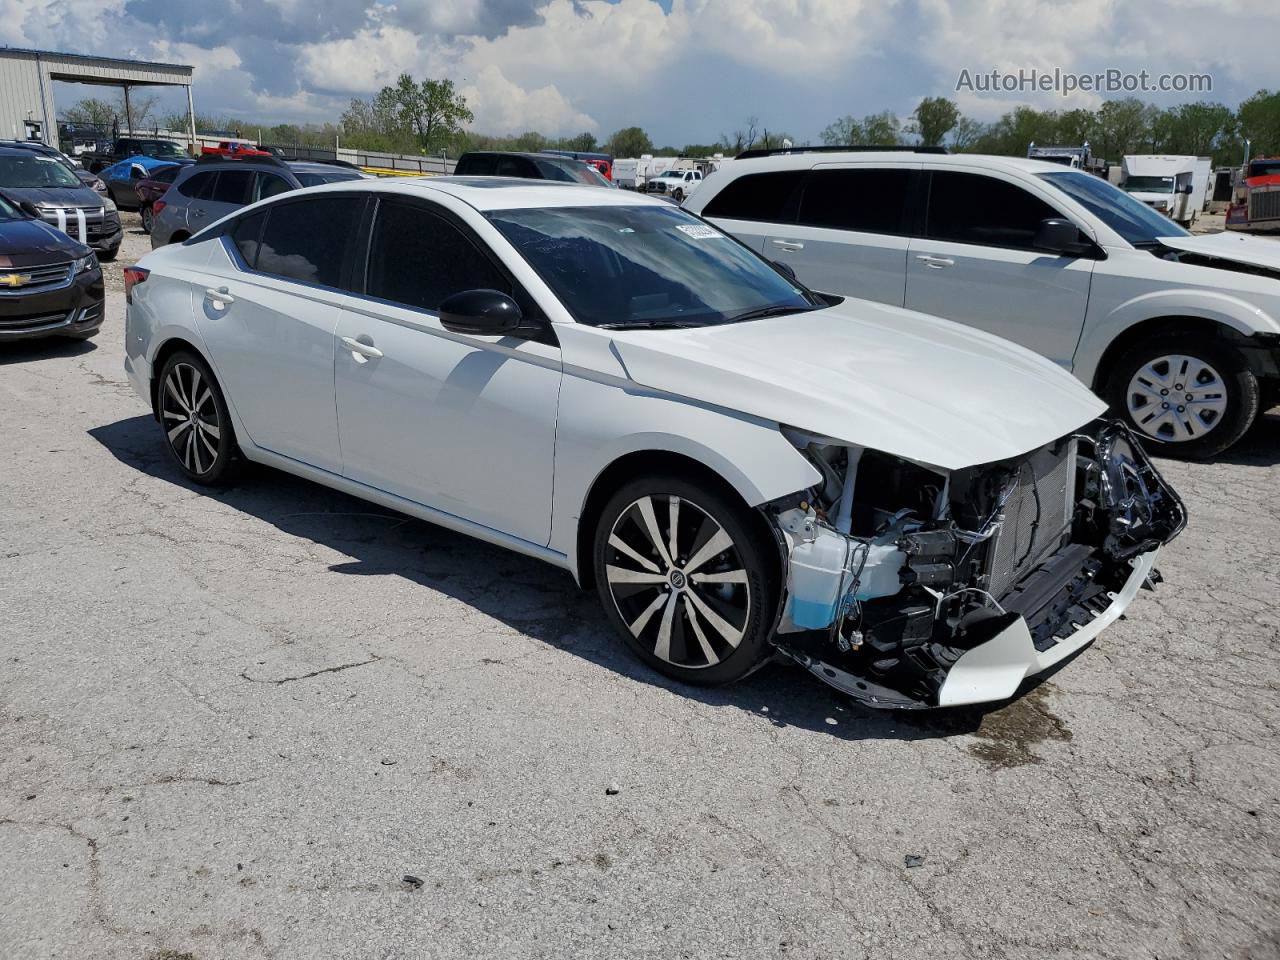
{"x": 1037, "y": 515}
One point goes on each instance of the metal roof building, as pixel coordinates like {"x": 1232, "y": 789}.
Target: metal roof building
{"x": 27, "y": 110}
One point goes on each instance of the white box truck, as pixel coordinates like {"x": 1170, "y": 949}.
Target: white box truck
{"x": 1164, "y": 183}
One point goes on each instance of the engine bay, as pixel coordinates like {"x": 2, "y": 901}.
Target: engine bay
{"x": 895, "y": 570}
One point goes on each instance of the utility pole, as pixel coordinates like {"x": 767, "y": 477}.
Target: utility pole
{"x": 191, "y": 120}
{"x": 128, "y": 110}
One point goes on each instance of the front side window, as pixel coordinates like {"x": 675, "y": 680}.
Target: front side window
{"x": 1132, "y": 219}
{"x": 972, "y": 208}
{"x": 308, "y": 240}
{"x": 513, "y": 167}
{"x": 246, "y": 234}
{"x": 867, "y": 200}
{"x": 764, "y": 197}
{"x": 646, "y": 266}
{"x": 417, "y": 258}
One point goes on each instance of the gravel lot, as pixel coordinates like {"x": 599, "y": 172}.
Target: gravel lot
{"x": 232, "y": 722}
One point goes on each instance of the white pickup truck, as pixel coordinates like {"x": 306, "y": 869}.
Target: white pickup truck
{"x": 677, "y": 184}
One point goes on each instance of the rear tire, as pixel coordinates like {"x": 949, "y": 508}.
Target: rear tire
{"x": 198, "y": 434}
{"x": 1193, "y": 396}
{"x": 148, "y": 218}
{"x": 704, "y": 619}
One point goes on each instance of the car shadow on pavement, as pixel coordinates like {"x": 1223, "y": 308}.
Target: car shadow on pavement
{"x": 1260, "y": 447}
{"x": 51, "y": 348}
{"x": 526, "y": 594}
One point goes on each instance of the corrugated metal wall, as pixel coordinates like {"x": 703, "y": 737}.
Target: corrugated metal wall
{"x": 24, "y": 73}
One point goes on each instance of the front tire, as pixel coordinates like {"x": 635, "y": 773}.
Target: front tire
{"x": 1194, "y": 395}
{"x": 198, "y": 434}
{"x": 686, "y": 578}
{"x": 678, "y": 195}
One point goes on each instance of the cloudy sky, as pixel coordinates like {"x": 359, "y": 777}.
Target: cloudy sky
{"x": 685, "y": 70}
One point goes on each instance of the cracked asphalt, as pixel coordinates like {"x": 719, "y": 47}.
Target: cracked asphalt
{"x": 232, "y": 723}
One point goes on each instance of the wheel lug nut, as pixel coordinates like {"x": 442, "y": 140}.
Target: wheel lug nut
{"x": 1165, "y": 406}
{"x": 1182, "y": 409}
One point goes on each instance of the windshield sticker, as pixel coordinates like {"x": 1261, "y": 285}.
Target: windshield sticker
{"x": 700, "y": 231}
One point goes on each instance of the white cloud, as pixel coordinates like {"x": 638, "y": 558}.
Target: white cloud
{"x": 501, "y": 106}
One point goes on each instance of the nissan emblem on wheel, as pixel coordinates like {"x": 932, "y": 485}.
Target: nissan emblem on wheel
{"x": 739, "y": 466}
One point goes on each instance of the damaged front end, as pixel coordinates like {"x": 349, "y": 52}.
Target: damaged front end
{"x": 909, "y": 586}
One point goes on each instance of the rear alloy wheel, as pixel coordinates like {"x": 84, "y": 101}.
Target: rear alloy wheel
{"x": 193, "y": 414}
{"x": 1195, "y": 396}
{"x": 148, "y": 218}
{"x": 685, "y": 580}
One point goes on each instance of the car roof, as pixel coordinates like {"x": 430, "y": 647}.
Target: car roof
{"x": 531, "y": 154}
{"x": 801, "y": 160}
{"x": 500, "y": 193}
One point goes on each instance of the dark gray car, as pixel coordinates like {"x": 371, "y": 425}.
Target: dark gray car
{"x": 213, "y": 187}
{"x": 45, "y": 187}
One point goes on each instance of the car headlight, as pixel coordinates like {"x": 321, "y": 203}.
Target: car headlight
{"x": 85, "y": 264}
{"x": 98, "y": 185}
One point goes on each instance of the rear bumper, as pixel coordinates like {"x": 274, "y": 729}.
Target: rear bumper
{"x": 993, "y": 670}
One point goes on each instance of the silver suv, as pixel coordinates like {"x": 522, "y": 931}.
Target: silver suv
{"x": 213, "y": 187}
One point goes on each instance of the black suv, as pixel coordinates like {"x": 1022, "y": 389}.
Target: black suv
{"x": 528, "y": 166}
{"x": 46, "y": 188}
{"x": 50, "y": 284}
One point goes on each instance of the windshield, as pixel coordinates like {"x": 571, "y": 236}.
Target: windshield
{"x": 1149, "y": 184}
{"x": 1132, "y": 219}
{"x": 315, "y": 179}
{"x": 34, "y": 170}
{"x": 642, "y": 265}
{"x": 1264, "y": 168}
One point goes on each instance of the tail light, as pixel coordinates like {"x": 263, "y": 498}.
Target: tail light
{"x": 156, "y": 207}
{"x": 132, "y": 277}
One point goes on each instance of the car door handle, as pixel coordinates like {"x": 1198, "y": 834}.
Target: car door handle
{"x": 935, "y": 263}
{"x": 197, "y": 213}
{"x": 361, "y": 351}
{"x": 219, "y": 297}
{"x": 792, "y": 245}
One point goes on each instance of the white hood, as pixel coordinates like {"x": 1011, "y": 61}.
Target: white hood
{"x": 906, "y": 383}
{"x": 1255, "y": 251}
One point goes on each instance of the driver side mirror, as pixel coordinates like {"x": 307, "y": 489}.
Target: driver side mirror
{"x": 484, "y": 313}
{"x": 784, "y": 268}
{"x": 1056, "y": 235}
{"x": 1186, "y": 188}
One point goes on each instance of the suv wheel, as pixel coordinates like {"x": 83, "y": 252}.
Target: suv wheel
{"x": 686, "y": 579}
{"x": 193, "y": 414}
{"x": 1195, "y": 395}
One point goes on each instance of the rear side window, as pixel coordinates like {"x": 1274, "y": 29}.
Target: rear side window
{"x": 269, "y": 184}
{"x": 308, "y": 240}
{"x": 972, "y": 208}
{"x": 476, "y": 165}
{"x": 233, "y": 186}
{"x": 166, "y": 174}
{"x": 513, "y": 167}
{"x": 769, "y": 197}
{"x": 247, "y": 235}
{"x": 418, "y": 259}
{"x": 199, "y": 186}
{"x": 871, "y": 201}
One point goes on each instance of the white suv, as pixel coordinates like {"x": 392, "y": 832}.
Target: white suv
{"x": 605, "y": 382}
{"x": 1180, "y": 333}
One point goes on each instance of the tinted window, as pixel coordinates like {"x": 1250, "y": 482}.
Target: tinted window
{"x": 417, "y": 258}
{"x": 269, "y": 184}
{"x": 1130, "y": 218}
{"x": 869, "y": 200}
{"x": 197, "y": 186}
{"x": 307, "y": 240}
{"x": 315, "y": 179}
{"x": 233, "y": 186}
{"x": 771, "y": 197}
{"x": 246, "y": 235}
{"x": 476, "y": 165}
{"x": 166, "y": 174}
{"x": 971, "y": 208}
{"x": 513, "y": 167}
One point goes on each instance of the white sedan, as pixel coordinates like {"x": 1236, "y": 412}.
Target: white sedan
{"x": 919, "y": 513}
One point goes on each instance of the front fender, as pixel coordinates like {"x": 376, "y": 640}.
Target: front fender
{"x": 1233, "y": 312}
{"x": 599, "y": 423}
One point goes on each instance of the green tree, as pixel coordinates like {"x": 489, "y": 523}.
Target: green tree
{"x": 1071, "y": 128}
{"x": 965, "y": 134}
{"x": 933, "y": 119}
{"x": 582, "y": 143}
{"x": 875, "y": 128}
{"x": 842, "y": 132}
{"x": 92, "y": 110}
{"x": 1123, "y": 126}
{"x": 629, "y": 142}
{"x": 1259, "y": 120}
{"x": 1016, "y": 130}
